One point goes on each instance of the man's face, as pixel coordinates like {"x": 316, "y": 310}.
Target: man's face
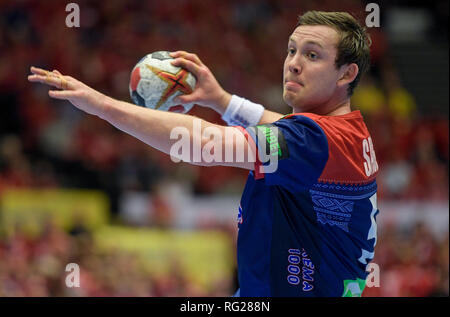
{"x": 310, "y": 75}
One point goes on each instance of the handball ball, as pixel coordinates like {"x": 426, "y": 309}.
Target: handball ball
{"x": 155, "y": 82}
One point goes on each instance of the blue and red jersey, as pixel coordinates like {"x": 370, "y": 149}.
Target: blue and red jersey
{"x": 308, "y": 226}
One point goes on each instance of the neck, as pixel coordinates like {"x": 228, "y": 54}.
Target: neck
{"x": 341, "y": 109}
{"x": 337, "y": 110}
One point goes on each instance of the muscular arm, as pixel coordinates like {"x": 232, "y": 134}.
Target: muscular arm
{"x": 161, "y": 130}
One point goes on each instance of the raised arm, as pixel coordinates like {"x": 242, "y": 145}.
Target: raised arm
{"x": 182, "y": 136}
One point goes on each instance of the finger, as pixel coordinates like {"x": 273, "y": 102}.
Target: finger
{"x": 178, "y": 54}
{"x": 61, "y": 94}
{"x": 39, "y": 71}
{"x": 184, "y": 99}
{"x": 189, "y": 56}
{"x": 55, "y": 81}
{"x": 64, "y": 83}
{"x": 43, "y": 72}
{"x": 187, "y": 64}
{"x": 43, "y": 79}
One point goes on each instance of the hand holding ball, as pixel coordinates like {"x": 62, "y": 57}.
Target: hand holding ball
{"x": 155, "y": 82}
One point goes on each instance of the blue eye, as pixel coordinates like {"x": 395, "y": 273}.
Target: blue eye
{"x": 312, "y": 55}
{"x": 291, "y": 51}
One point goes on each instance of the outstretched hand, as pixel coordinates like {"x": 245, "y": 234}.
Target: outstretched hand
{"x": 80, "y": 95}
{"x": 207, "y": 91}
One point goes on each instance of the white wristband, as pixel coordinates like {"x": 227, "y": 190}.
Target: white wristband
{"x": 242, "y": 112}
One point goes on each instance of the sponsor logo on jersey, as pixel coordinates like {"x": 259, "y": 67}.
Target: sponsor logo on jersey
{"x": 353, "y": 288}
{"x": 300, "y": 269}
{"x": 271, "y": 142}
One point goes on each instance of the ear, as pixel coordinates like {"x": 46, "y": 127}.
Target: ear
{"x": 349, "y": 73}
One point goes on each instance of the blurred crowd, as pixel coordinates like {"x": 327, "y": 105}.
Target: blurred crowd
{"x": 46, "y": 143}
{"x": 413, "y": 262}
{"x": 36, "y": 266}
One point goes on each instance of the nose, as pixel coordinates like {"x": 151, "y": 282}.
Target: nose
{"x": 294, "y": 67}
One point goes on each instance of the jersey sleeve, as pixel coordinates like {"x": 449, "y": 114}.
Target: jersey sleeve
{"x": 292, "y": 152}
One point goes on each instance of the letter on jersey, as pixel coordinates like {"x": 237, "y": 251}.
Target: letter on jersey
{"x": 370, "y": 165}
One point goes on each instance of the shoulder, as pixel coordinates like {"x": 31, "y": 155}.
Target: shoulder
{"x": 334, "y": 126}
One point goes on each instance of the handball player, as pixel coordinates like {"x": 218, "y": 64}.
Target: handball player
{"x": 307, "y": 224}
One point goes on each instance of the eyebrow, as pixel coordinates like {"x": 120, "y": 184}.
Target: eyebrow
{"x": 307, "y": 42}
